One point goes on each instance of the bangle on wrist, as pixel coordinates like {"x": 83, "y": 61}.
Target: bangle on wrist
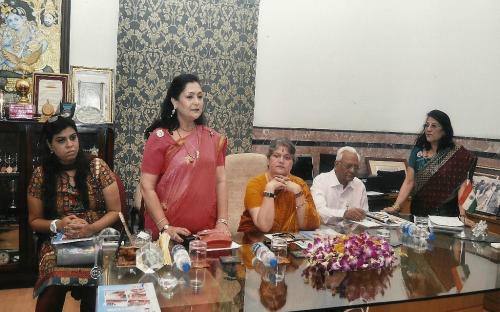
{"x": 396, "y": 206}
{"x": 160, "y": 221}
{"x": 53, "y": 226}
{"x": 222, "y": 220}
{"x": 269, "y": 194}
{"x": 299, "y": 194}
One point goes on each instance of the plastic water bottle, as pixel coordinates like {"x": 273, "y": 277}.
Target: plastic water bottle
{"x": 265, "y": 255}
{"x": 181, "y": 258}
{"x": 411, "y": 229}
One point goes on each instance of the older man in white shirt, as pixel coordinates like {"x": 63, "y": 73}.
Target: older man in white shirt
{"x": 339, "y": 194}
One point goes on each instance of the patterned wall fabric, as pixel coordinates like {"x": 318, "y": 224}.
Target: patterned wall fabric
{"x": 157, "y": 40}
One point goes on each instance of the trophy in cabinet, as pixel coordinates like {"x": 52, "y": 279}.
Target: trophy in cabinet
{"x": 23, "y": 88}
{"x": 23, "y": 109}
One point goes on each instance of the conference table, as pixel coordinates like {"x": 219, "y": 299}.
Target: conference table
{"x": 451, "y": 266}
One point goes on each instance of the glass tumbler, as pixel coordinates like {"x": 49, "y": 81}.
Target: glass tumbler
{"x": 279, "y": 248}
{"x": 198, "y": 253}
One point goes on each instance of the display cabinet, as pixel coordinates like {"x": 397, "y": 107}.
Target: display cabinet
{"x": 19, "y": 155}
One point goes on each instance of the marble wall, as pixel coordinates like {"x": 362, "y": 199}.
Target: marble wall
{"x": 368, "y": 144}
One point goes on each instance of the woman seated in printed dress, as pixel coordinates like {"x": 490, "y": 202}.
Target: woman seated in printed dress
{"x": 72, "y": 194}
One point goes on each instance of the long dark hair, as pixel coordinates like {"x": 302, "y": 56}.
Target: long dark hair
{"x": 447, "y": 139}
{"x": 167, "y": 120}
{"x": 52, "y": 168}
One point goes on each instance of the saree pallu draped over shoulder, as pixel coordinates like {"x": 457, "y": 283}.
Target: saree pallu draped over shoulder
{"x": 187, "y": 180}
{"x": 436, "y": 185}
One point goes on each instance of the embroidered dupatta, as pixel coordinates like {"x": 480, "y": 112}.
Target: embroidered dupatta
{"x": 436, "y": 185}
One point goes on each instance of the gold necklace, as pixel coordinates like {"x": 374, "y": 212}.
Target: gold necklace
{"x": 190, "y": 158}
{"x": 187, "y": 131}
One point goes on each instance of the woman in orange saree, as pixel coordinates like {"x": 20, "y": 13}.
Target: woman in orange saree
{"x": 277, "y": 201}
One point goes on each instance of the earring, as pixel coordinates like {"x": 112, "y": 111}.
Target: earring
{"x": 173, "y": 113}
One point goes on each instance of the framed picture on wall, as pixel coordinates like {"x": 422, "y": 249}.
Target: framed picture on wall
{"x": 37, "y": 42}
{"x": 92, "y": 90}
{"x": 49, "y": 89}
{"x": 374, "y": 164}
{"x": 487, "y": 190}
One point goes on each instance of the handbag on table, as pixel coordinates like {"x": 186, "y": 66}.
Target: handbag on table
{"x": 215, "y": 238}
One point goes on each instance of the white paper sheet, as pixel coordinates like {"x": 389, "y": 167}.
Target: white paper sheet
{"x": 445, "y": 221}
{"x": 367, "y": 223}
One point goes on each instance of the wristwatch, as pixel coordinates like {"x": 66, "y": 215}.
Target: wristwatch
{"x": 269, "y": 194}
{"x": 53, "y": 226}
{"x": 164, "y": 228}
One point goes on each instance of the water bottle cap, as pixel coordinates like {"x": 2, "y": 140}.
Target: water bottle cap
{"x": 273, "y": 263}
{"x": 186, "y": 267}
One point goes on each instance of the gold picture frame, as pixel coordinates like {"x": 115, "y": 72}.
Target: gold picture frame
{"x": 374, "y": 164}
{"x": 51, "y": 88}
{"x": 92, "y": 91}
{"x": 42, "y": 39}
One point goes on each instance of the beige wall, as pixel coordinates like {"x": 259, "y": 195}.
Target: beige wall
{"x": 93, "y": 33}
{"x": 378, "y": 65}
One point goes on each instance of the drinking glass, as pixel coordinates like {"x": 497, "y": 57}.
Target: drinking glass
{"x": 142, "y": 238}
{"x": 197, "y": 278}
{"x": 279, "y": 248}
{"x": 198, "y": 253}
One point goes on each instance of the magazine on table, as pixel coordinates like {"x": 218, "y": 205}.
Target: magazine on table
{"x": 60, "y": 238}
{"x": 385, "y": 218}
{"x": 127, "y": 297}
{"x": 290, "y": 237}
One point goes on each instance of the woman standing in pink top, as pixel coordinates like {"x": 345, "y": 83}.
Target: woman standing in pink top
{"x": 182, "y": 173}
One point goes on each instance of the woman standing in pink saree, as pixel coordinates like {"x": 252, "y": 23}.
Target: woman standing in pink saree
{"x": 183, "y": 179}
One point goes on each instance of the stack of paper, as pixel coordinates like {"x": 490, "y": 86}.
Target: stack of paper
{"x": 446, "y": 223}
{"x": 367, "y": 223}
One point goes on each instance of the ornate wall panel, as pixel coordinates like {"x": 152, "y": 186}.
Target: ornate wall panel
{"x": 157, "y": 40}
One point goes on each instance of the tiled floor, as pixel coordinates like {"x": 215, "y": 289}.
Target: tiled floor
{"x": 21, "y": 299}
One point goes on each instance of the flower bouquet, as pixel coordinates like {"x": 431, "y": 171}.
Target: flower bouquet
{"x": 346, "y": 253}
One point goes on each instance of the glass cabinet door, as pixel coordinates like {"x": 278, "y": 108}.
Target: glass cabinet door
{"x": 10, "y": 166}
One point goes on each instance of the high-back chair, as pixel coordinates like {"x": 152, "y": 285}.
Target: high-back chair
{"x": 123, "y": 202}
{"x": 239, "y": 168}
